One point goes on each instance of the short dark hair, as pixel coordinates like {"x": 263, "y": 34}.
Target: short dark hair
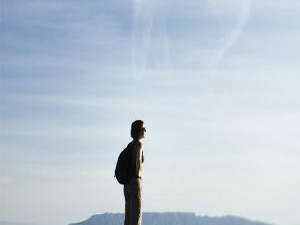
{"x": 136, "y": 127}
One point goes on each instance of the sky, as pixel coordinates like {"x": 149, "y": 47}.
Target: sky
{"x": 216, "y": 82}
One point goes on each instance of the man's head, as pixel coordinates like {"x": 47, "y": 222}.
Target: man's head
{"x": 138, "y": 130}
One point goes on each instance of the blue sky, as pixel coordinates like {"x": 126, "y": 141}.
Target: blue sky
{"x": 216, "y": 83}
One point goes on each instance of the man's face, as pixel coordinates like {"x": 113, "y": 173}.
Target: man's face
{"x": 143, "y": 131}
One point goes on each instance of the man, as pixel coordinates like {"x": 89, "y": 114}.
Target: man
{"x": 132, "y": 190}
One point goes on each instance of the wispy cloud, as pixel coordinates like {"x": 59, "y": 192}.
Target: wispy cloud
{"x": 242, "y": 19}
{"x": 155, "y": 30}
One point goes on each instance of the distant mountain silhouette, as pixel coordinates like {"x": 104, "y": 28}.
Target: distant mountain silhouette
{"x": 169, "y": 218}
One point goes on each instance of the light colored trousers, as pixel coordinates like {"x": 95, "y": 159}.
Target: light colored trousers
{"x": 132, "y": 193}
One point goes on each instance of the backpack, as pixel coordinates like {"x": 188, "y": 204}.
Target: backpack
{"x": 124, "y": 170}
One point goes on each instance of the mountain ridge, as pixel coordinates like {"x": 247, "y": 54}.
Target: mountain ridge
{"x": 170, "y": 218}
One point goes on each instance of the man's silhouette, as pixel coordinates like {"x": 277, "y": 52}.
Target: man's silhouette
{"x": 132, "y": 190}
